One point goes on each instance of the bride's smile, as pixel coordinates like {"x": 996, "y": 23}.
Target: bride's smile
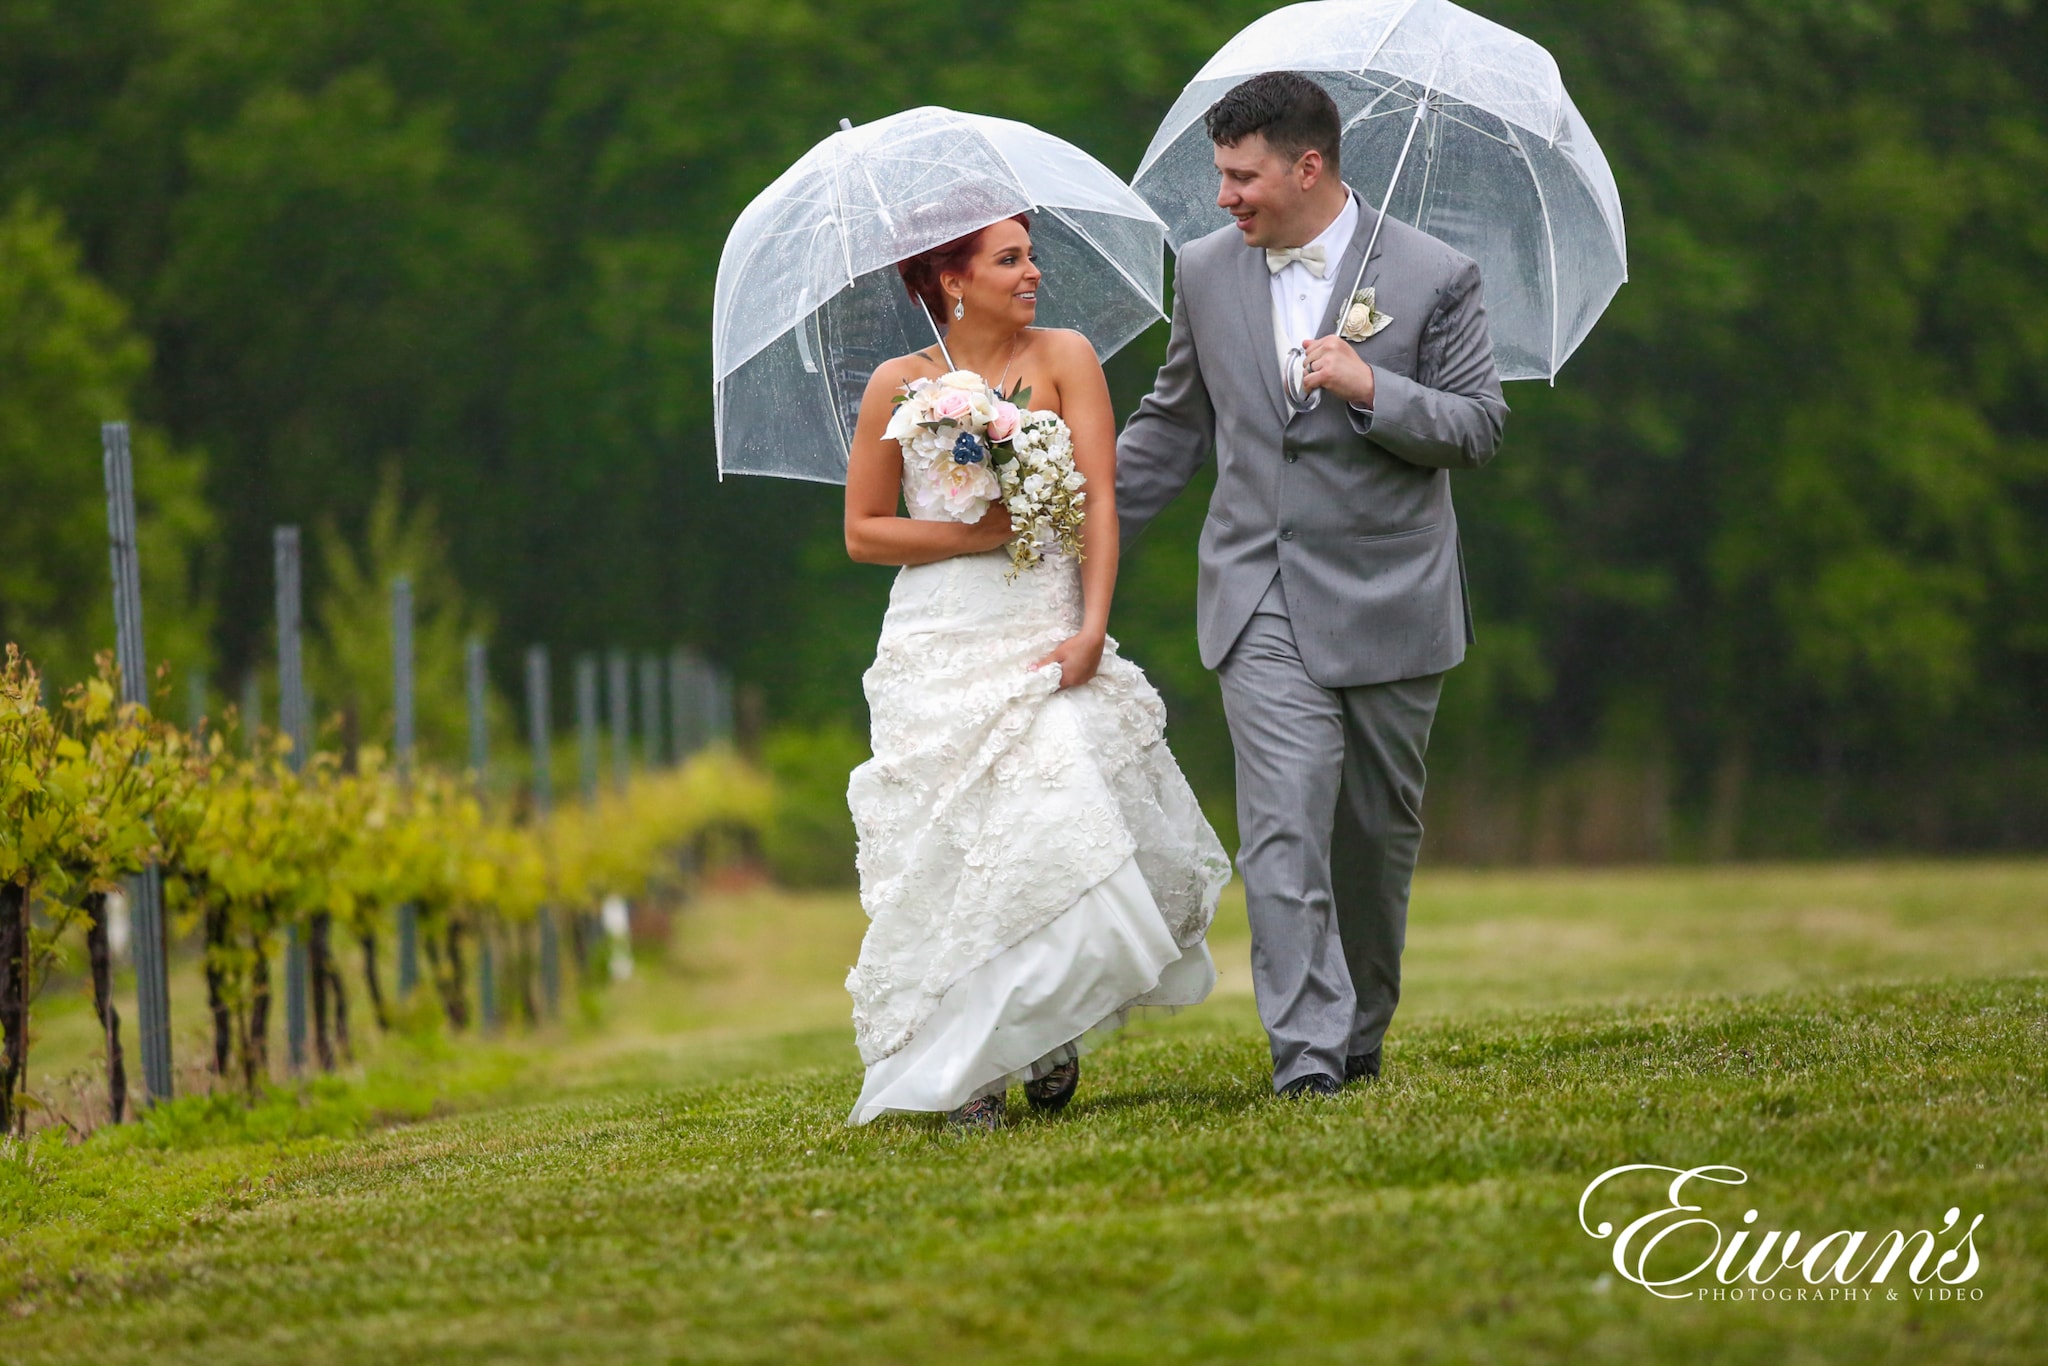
{"x": 995, "y": 293}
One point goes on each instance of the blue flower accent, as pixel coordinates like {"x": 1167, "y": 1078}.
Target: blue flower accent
{"x": 968, "y": 450}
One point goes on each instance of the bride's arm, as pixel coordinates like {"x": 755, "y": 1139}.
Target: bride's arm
{"x": 1084, "y": 403}
{"x": 874, "y": 481}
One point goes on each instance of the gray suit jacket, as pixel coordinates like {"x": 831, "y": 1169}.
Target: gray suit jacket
{"x": 1352, "y": 509}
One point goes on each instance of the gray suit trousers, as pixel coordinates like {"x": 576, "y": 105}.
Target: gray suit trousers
{"x": 1329, "y": 810}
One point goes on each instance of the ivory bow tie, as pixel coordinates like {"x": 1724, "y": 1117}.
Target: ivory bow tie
{"x": 1279, "y": 258}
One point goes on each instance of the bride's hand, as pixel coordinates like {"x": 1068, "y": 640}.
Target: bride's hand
{"x": 993, "y": 531}
{"x": 1078, "y": 657}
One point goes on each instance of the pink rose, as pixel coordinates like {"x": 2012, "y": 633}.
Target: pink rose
{"x": 1003, "y": 425}
{"x": 951, "y": 406}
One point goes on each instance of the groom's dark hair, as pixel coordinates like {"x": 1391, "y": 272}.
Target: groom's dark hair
{"x": 1290, "y": 111}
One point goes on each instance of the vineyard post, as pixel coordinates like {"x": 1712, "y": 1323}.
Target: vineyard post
{"x": 402, "y": 747}
{"x": 475, "y": 683}
{"x": 679, "y": 726}
{"x": 291, "y": 719}
{"x": 195, "y": 700}
{"x": 543, "y": 798}
{"x": 586, "y": 725}
{"x": 589, "y": 764}
{"x": 145, "y": 891}
{"x": 619, "y": 686}
{"x": 650, "y": 711}
{"x": 476, "y": 664}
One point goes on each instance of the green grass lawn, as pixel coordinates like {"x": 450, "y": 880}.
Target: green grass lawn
{"x": 1869, "y": 1043}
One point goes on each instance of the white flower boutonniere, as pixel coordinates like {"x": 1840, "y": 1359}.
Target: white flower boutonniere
{"x": 1362, "y": 317}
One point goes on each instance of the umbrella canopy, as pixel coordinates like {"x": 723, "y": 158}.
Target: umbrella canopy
{"x": 808, "y": 300}
{"x": 1453, "y": 124}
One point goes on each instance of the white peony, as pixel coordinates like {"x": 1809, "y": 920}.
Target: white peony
{"x": 965, "y": 491}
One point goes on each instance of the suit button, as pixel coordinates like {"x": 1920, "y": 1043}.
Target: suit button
{"x": 1287, "y": 533}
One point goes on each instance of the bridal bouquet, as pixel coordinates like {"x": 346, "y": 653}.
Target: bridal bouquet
{"x": 967, "y": 445}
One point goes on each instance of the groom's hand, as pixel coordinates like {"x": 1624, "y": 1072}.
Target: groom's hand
{"x": 1334, "y": 366}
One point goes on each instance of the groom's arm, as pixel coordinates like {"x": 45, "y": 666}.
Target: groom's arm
{"x": 1451, "y": 415}
{"x": 1170, "y": 435}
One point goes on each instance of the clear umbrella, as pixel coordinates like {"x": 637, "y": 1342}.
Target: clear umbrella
{"x": 808, "y": 300}
{"x": 1452, "y": 124}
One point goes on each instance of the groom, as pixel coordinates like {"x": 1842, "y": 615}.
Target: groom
{"x": 1331, "y": 597}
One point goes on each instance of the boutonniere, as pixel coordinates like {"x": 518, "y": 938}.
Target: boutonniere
{"x": 1362, "y": 317}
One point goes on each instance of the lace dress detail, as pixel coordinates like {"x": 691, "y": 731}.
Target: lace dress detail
{"x": 994, "y": 801}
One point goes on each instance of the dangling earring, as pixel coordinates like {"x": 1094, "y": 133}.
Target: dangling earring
{"x": 959, "y": 308}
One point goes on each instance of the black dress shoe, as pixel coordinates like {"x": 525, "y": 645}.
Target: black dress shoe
{"x": 1314, "y": 1084}
{"x": 1362, "y": 1067}
{"x": 1050, "y": 1093}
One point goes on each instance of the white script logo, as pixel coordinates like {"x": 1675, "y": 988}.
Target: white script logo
{"x": 1661, "y": 1249}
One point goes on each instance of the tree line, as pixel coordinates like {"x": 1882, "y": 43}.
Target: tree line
{"x": 1762, "y": 573}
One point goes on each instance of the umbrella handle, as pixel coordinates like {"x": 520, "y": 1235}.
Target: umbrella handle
{"x": 1293, "y": 378}
{"x": 937, "y": 335}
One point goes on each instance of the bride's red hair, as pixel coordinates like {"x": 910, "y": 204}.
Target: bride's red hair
{"x": 921, "y": 272}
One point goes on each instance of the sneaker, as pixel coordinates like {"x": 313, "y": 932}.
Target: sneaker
{"x": 1050, "y": 1093}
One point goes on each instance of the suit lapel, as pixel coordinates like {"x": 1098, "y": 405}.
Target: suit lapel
{"x": 1255, "y": 294}
{"x": 1347, "y": 266}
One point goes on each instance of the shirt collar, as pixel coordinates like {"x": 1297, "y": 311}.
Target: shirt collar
{"x": 1337, "y": 236}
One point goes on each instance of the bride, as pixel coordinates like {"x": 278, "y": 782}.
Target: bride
{"x": 1032, "y": 862}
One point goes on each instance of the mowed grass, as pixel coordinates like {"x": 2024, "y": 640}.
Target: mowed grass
{"x": 1869, "y": 1043}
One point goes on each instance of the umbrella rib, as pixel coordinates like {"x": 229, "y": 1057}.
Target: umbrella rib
{"x": 1367, "y": 113}
{"x": 1079, "y": 231}
{"x": 1428, "y": 169}
{"x": 839, "y": 218}
{"x": 1399, "y": 20}
{"x": 1004, "y": 157}
{"x": 1421, "y": 108}
{"x": 1549, "y": 243}
{"x": 1473, "y": 127}
{"x": 1106, "y": 255}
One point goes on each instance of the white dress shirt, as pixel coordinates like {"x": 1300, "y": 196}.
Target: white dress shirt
{"x": 1299, "y": 298}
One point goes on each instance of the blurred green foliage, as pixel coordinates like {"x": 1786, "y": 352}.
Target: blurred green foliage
{"x": 1768, "y": 558}
{"x": 351, "y": 659}
{"x": 810, "y": 840}
{"x": 69, "y": 360}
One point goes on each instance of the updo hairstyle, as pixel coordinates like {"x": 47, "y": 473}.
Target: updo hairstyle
{"x": 921, "y": 272}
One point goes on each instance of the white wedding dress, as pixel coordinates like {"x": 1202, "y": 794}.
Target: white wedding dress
{"x": 1032, "y": 862}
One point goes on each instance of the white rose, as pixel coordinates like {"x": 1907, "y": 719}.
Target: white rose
{"x": 902, "y": 422}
